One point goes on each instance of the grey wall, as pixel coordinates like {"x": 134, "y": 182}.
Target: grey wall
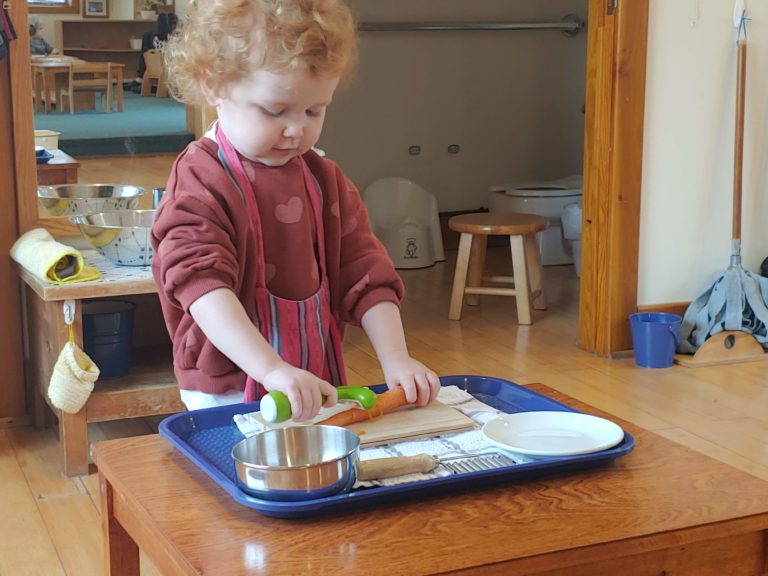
{"x": 510, "y": 99}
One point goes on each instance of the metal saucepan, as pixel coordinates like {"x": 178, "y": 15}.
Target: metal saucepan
{"x": 309, "y": 462}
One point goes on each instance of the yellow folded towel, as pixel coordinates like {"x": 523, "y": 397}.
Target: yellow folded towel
{"x": 72, "y": 380}
{"x": 53, "y": 261}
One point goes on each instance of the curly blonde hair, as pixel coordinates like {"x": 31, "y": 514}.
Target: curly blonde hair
{"x": 222, "y": 41}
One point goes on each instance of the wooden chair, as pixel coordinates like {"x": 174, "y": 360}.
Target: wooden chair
{"x": 470, "y": 261}
{"x": 93, "y": 77}
{"x": 155, "y": 72}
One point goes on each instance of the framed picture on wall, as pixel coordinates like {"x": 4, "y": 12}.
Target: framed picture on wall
{"x": 95, "y": 8}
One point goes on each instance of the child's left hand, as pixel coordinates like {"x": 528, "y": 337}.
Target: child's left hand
{"x": 421, "y": 384}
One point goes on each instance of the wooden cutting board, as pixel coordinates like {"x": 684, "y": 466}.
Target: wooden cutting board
{"x": 408, "y": 423}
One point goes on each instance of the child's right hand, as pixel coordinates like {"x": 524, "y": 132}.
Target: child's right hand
{"x": 304, "y": 390}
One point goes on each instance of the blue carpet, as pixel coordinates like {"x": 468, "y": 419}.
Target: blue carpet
{"x": 147, "y": 125}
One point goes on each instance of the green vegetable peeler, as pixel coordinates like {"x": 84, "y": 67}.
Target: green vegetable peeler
{"x": 275, "y": 406}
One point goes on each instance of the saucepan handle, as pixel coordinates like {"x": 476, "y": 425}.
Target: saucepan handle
{"x": 378, "y": 468}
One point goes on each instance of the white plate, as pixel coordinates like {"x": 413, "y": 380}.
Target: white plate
{"x": 552, "y": 433}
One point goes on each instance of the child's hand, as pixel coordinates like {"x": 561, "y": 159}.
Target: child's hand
{"x": 304, "y": 390}
{"x": 421, "y": 384}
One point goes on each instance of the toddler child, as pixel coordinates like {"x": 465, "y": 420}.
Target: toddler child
{"x": 263, "y": 249}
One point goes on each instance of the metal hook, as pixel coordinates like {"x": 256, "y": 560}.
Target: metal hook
{"x": 69, "y": 318}
{"x": 6, "y": 4}
{"x": 69, "y": 311}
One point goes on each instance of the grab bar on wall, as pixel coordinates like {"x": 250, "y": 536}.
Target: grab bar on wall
{"x": 570, "y": 25}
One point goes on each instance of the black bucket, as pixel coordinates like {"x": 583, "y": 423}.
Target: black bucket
{"x": 108, "y": 335}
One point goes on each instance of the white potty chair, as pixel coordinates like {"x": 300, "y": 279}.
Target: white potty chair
{"x": 404, "y": 217}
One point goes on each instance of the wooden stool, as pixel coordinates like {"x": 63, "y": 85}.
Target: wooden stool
{"x": 526, "y": 265}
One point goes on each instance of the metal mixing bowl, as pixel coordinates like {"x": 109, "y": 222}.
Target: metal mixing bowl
{"x": 297, "y": 462}
{"x": 77, "y": 199}
{"x": 122, "y": 236}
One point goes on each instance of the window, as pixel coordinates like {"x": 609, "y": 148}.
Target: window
{"x": 54, "y": 6}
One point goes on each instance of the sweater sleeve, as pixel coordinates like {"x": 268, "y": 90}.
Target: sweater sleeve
{"x": 193, "y": 234}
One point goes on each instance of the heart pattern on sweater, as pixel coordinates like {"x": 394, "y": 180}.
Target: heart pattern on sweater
{"x": 348, "y": 225}
{"x": 290, "y": 212}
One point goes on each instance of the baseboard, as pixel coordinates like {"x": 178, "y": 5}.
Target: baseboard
{"x": 678, "y": 308}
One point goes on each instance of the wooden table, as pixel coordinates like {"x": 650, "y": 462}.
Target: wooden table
{"x": 662, "y": 509}
{"x": 44, "y": 73}
{"x": 149, "y": 389}
{"x": 61, "y": 169}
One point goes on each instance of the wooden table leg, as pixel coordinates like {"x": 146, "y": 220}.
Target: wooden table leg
{"x": 73, "y": 437}
{"x": 534, "y": 272}
{"x": 522, "y": 284}
{"x": 119, "y": 75}
{"x": 460, "y": 277}
{"x": 49, "y": 87}
{"x": 37, "y": 81}
{"x": 121, "y": 554}
{"x": 73, "y": 428}
{"x": 476, "y": 267}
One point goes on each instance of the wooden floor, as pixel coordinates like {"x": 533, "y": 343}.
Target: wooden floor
{"x": 50, "y": 524}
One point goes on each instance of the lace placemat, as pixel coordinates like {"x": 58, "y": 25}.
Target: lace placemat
{"x": 467, "y": 443}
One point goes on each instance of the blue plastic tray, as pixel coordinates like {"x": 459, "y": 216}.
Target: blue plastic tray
{"x": 207, "y": 436}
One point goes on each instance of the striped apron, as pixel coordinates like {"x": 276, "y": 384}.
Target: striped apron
{"x": 303, "y": 332}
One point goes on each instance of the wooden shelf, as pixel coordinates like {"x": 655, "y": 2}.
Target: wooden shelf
{"x": 149, "y": 388}
{"x": 114, "y": 281}
{"x": 102, "y": 40}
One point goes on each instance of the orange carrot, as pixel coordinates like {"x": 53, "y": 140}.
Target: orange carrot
{"x": 385, "y": 402}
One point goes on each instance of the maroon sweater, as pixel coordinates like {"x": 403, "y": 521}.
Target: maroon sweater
{"x": 203, "y": 241}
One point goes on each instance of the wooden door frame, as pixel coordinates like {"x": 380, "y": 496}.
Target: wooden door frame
{"x": 23, "y": 120}
{"x": 13, "y": 401}
{"x": 613, "y": 146}
{"x": 613, "y": 160}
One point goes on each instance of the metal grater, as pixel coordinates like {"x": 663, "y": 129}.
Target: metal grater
{"x": 476, "y": 462}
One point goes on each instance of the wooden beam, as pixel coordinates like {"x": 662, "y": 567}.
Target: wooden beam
{"x": 13, "y": 397}
{"x": 613, "y": 143}
{"x": 23, "y": 119}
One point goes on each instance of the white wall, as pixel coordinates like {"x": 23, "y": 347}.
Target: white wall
{"x": 685, "y": 236}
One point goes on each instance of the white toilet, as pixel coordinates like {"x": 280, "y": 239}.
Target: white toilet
{"x": 545, "y": 199}
{"x": 404, "y": 217}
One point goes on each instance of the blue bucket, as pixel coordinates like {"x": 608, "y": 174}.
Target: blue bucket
{"x": 108, "y": 335}
{"x": 655, "y": 336}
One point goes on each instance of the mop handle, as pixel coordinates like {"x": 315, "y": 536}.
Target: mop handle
{"x": 738, "y": 158}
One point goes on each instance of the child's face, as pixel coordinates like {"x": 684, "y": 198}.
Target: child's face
{"x": 272, "y": 118}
